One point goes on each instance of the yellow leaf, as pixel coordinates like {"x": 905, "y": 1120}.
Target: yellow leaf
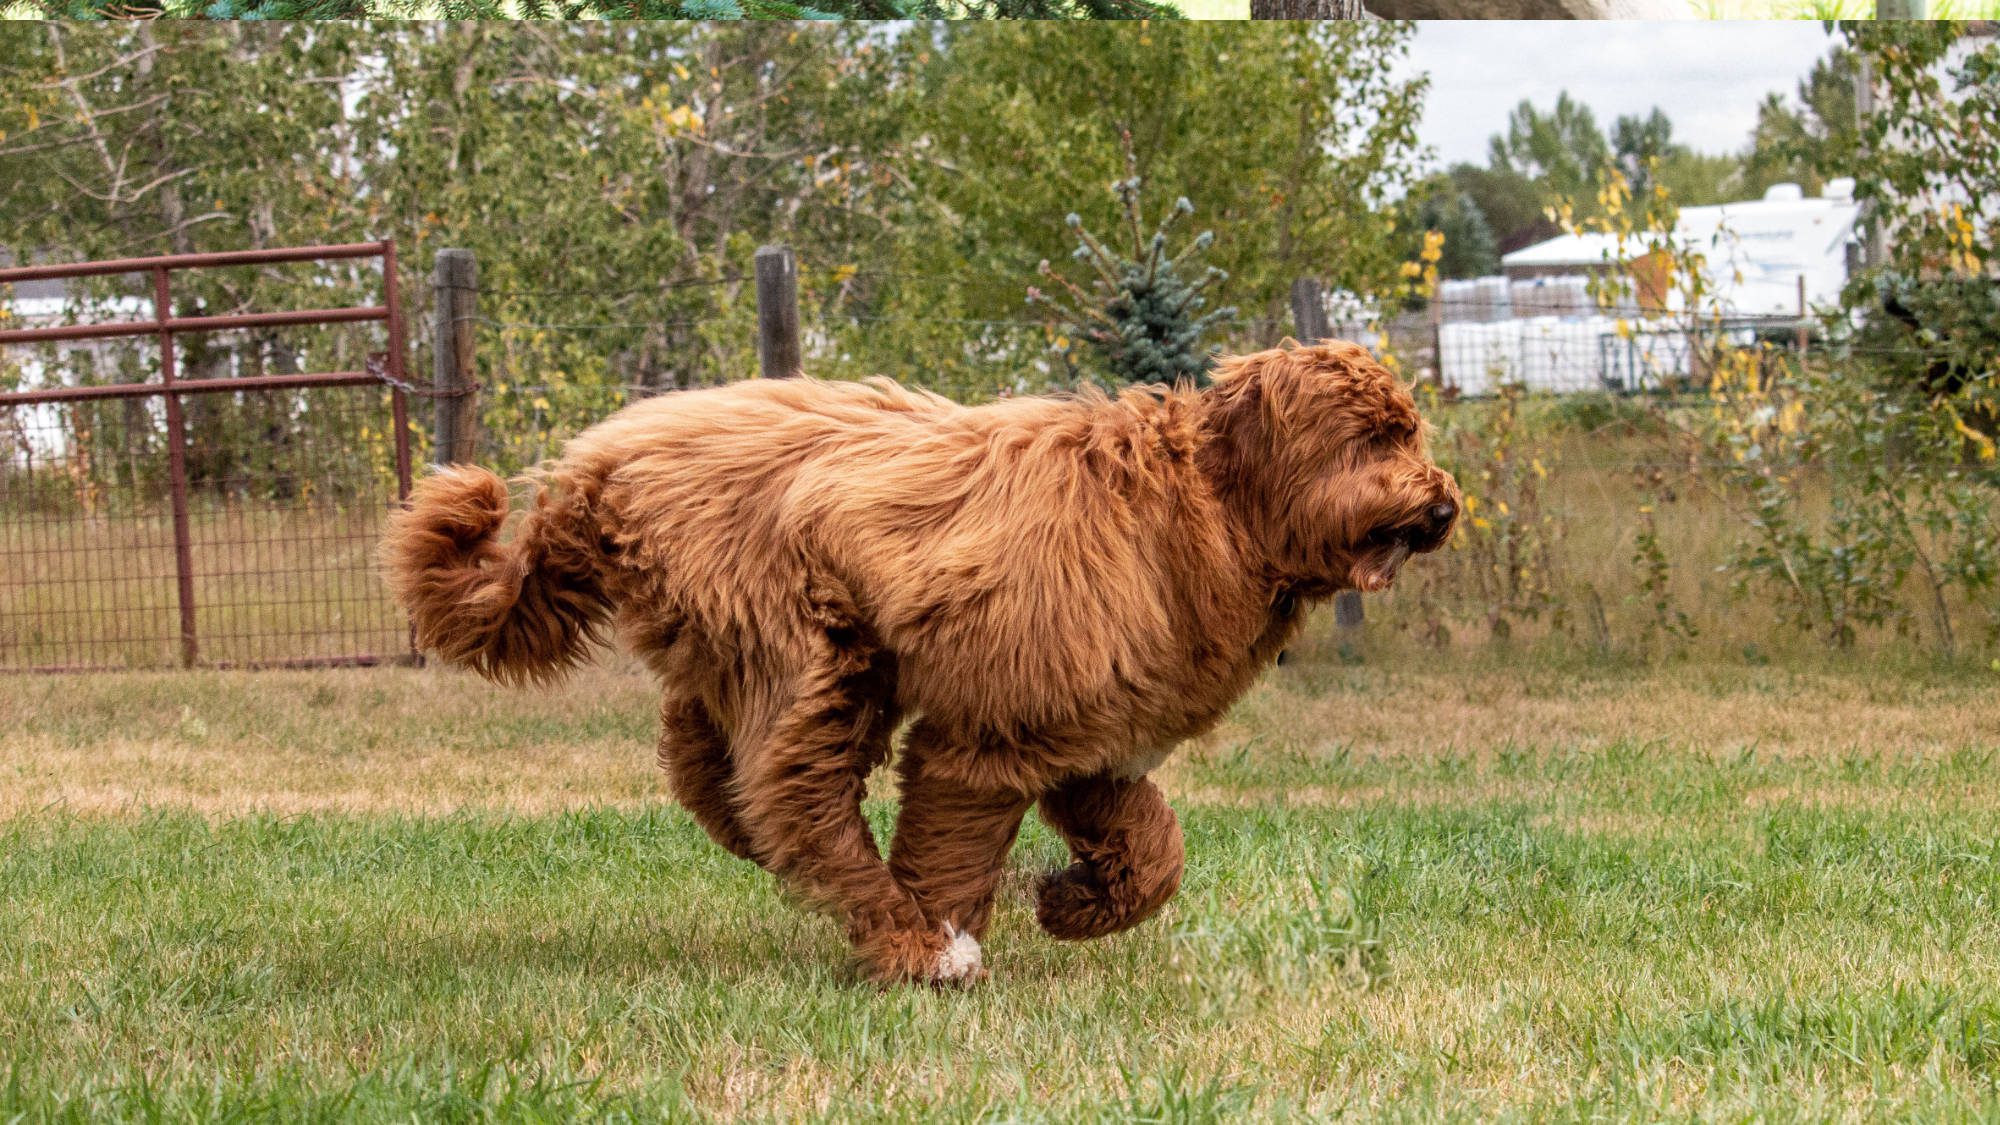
{"x": 1788, "y": 418}
{"x": 1987, "y": 452}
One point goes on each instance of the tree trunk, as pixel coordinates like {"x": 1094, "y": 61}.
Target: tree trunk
{"x": 1307, "y": 10}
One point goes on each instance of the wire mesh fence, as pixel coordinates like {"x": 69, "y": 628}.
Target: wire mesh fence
{"x": 541, "y": 380}
{"x": 220, "y": 515}
{"x": 1468, "y": 349}
{"x": 280, "y": 534}
{"x": 531, "y": 398}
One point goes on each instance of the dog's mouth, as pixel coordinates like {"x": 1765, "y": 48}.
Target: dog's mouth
{"x": 1386, "y": 549}
{"x": 1377, "y": 566}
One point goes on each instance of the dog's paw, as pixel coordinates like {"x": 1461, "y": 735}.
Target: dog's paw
{"x": 950, "y": 958}
{"x": 958, "y": 961}
{"x": 1071, "y": 905}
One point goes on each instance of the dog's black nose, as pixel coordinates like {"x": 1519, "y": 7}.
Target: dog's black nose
{"x": 1442, "y": 514}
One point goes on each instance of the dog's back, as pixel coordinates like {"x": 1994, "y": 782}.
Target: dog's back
{"x": 951, "y": 527}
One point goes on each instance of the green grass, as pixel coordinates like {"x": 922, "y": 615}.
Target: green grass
{"x": 1413, "y": 892}
{"x": 1707, "y": 9}
{"x": 1710, "y": 9}
{"x": 610, "y": 959}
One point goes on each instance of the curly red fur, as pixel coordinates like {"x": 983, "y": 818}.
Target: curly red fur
{"x": 1127, "y": 845}
{"x": 521, "y": 611}
{"x": 1057, "y": 589}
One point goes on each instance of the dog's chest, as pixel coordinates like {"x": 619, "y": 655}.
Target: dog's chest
{"x": 1176, "y": 717}
{"x": 1215, "y": 671}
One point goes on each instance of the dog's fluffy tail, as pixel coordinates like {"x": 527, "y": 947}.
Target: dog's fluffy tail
{"x": 521, "y": 611}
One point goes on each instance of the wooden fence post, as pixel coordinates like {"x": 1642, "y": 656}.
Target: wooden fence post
{"x": 1805, "y": 334}
{"x": 1309, "y": 323}
{"x": 1875, "y": 247}
{"x": 455, "y": 285}
{"x": 1309, "y": 311}
{"x": 1435, "y": 305}
{"x": 778, "y": 353}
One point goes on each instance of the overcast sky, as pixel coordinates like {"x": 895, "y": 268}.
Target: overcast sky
{"x": 1708, "y": 75}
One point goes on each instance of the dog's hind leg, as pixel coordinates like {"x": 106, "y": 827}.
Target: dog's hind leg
{"x": 951, "y": 838}
{"x": 695, "y": 754}
{"x": 1128, "y": 856}
{"x": 801, "y": 788}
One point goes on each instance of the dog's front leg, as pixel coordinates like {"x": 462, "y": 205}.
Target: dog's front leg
{"x": 801, "y": 787}
{"x": 951, "y": 838}
{"x": 1128, "y": 852}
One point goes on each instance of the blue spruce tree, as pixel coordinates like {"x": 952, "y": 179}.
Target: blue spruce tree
{"x": 1142, "y": 316}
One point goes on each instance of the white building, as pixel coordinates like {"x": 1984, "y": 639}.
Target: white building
{"x": 1539, "y": 325}
{"x": 47, "y": 302}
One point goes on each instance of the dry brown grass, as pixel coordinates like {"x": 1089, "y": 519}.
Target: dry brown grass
{"x": 1606, "y": 460}
{"x": 429, "y": 740}
{"x": 417, "y": 740}
{"x": 1488, "y": 708}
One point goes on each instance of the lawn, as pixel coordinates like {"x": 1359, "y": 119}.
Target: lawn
{"x": 1470, "y": 886}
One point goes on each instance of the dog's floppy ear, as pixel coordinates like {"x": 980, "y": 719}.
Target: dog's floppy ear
{"x": 1239, "y": 419}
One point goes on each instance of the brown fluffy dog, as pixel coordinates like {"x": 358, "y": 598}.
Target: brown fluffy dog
{"x": 1056, "y": 590}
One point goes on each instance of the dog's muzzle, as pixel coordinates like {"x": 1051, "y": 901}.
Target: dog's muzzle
{"x": 1433, "y": 527}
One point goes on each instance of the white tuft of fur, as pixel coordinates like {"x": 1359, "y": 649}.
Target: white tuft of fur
{"x": 959, "y": 959}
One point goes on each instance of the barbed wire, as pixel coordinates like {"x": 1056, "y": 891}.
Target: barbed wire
{"x": 836, "y": 275}
{"x": 835, "y": 319}
{"x": 959, "y": 320}
{"x": 1452, "y": 357}
{"x": 588, "y": 325}
{"x": 650, "y": 290}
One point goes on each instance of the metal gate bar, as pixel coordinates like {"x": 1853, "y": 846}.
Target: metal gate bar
{"x": 171, "y": 389}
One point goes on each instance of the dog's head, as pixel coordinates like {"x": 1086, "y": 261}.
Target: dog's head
{"x": 1321, "y": 451}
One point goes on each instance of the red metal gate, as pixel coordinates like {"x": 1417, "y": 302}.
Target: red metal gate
{"x": 265, "y": 557}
